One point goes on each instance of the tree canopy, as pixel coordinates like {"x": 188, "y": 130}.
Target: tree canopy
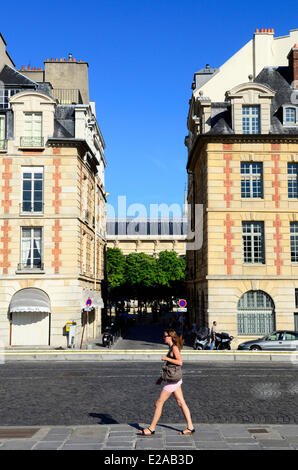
{"x": 143, "y": 276}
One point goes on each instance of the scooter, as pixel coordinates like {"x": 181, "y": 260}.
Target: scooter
{"x": 202, "y": 339}
{"x": 223, "y": 341}
{"x": 107, "y": 337}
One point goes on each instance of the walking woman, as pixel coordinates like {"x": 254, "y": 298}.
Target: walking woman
{"x": 173, "y": 357}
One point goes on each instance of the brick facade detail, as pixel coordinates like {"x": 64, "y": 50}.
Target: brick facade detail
{"x": 6, "y": 188}
{"x": 277, "y": 249}
{"x": 56, "y": 188}
{"x": 228, "y": 236}
{"x": 228, "y": 197}
{"x": 5, "y": 239}
{"x": 56, "y": 251}
{"x": 276, "y": 171}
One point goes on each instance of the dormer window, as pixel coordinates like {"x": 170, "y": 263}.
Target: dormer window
{"x": 250, "y": 119}
{"x": 290, "y": 116}
{"x": 250, "y": 104}
{"x": 5, "y": 95}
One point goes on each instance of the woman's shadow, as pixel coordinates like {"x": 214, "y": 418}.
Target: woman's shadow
{"x": 104, "y": 418}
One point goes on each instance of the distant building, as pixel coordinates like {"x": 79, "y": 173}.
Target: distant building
{"x": 150, "y": 236}
{"x": 243, "y": 168}
{"x": 52, "y": 203}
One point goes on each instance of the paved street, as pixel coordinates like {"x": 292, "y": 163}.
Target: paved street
{"x": 148, "y": 337}
{"x": 73, "y": 393}
{"x": 125, "y": 437}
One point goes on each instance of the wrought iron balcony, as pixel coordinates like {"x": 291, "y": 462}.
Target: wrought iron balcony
{"x": 3, "y": 144}
{"x": 67, "y": 96}
{"x": 27, "y": 208}
{"x": 32, "y": 142}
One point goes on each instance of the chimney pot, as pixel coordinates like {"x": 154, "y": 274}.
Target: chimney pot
{"x": 69, "y": 56}
{"x": 293, "y": 65}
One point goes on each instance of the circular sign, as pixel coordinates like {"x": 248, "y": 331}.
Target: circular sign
{"x": 182, "y": 303}
{"x": 89, "y": 302}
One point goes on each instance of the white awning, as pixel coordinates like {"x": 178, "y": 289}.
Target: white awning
{"x": 30, "y": 300}
{"x": 95, "y": 297}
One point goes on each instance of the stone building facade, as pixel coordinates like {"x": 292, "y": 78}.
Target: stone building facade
{"x": 243, "y": 169}
{"x": 52, "y": 205}
{"x": 147, "y": 235}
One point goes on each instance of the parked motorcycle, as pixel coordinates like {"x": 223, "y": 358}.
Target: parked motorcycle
{"x": 202, "y": 339}
{"x": 107, "y": 337}
{"x": 223, "y": 341}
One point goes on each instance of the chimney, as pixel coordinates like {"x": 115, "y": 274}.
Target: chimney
{"x": 262, "y": 49}
{"x": 293, "y": 65}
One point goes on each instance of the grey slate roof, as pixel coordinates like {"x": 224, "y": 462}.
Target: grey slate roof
{"x": 64, "y": 119}
{"x": 278, "y": 79}
{"x": 146, "y": 227}
{"x": 12, "y": 77}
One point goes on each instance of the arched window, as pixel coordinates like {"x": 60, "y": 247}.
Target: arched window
{"x": 256, "y": 315}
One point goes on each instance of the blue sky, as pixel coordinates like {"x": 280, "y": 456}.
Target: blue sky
{"x": 142, "y": 56}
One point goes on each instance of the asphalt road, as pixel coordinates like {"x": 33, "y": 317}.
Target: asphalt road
{"x": 52, "y": 393}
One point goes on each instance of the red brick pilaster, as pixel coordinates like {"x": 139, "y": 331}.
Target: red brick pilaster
{"x": 275, "y": 171}
{"x": 6, "y": 188}
{"x": 5, "y": 239}
{"x": 229, "y": 248}
{"x": 227, "y": 170}
{"x": 57, "y": 188}
{"x": 56, "y": 251}
{"x": 277, "y": 249}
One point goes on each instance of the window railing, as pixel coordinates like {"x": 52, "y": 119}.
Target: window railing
{"x": 29, "y": 267}
{"x": 32, "y": 142}
{"x": 3, "y": 144}
{"x": 29, "y": 208}
{"x": 67, "y": 96}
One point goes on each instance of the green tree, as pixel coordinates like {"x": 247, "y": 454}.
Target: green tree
{"x": 115, "y": 267}
{"x": 141, "y": 274}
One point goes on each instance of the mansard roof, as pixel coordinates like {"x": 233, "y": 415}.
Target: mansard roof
{"x": 278, "y": 80}
{"x": 11, "y": 77}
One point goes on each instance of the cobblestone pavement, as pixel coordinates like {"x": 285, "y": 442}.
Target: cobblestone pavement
{"x": 107, "y": 393}
{"x": 125, "y": 437}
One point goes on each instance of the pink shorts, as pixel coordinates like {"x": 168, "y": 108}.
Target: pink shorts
{"x": 171, "y": 387}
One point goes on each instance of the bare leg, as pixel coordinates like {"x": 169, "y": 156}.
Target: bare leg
{"x": 181, "y": 402}
{"x": 158, "y": 410}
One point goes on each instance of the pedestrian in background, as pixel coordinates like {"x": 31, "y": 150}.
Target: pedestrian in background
{"x": 212, "y": 335}
{"x": 173, "y": 357}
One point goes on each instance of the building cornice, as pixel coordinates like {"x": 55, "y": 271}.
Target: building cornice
{"x": 204, "y": 139}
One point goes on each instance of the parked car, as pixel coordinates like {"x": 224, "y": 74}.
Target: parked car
{"x": 276, "y": 341}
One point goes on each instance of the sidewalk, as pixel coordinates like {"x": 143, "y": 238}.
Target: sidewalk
{"x": 111, "y": 437}
{"x": 142, "y": 343}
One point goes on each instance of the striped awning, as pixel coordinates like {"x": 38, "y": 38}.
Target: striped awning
{"x": 30, "y": 299}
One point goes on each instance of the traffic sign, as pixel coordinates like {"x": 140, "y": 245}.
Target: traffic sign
{"x": 182, "y": 303}
{"x": 89, "y": 302}
{"x": 182, "y": 309}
